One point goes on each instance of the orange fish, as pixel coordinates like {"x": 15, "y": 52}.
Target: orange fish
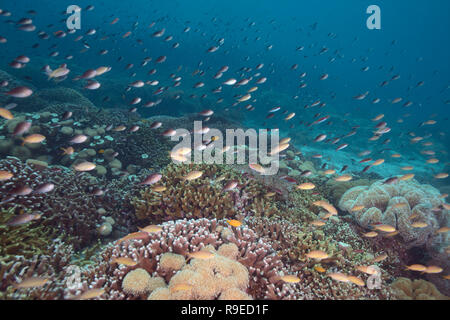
{"x": 133, "y": 236}
{"x": 125, "y": 261}
{"x": 234, "y": 223}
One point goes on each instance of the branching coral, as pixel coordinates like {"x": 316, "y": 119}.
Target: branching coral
{"x": 71, "y": 207}
{"x": 54, "y": 267}
{"x": 25, "y": 240}
{"x": 399, "y": 205}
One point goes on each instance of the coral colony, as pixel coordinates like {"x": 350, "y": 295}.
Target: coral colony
{"x": 102, "y": 195}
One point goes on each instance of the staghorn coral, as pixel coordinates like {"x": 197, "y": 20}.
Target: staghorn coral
{"x": 203, "y": 197}
{"x": 399, "y": 205}
{"x": 25, "y": 240}
{"x": 54, "y": 266}
{"x": 419, "y": 289}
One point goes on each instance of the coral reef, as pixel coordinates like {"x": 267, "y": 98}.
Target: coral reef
{"x": 53, "y": 266}
{"x": 203, "y": 197}
{"x": 256, "y": 259}
{"x": 72, "y": 207}
{"x": 23, "y": 240}
{"x": 217, "y": 277}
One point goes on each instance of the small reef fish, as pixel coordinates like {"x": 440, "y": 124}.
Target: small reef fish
{"x": 22, "y": 219}
{"x": 234, "y": 223}
{"x": 317, "y": 254}
{"x": 90, "y": 294}
{"x": 343, "y": 178}
{"x": 290, "y": 279}
{"x": 201, "y": 255}
{"x": 193, "y": 175}
{"x": 151, "y": 229}
{"x": 32, "y": 282}
{"x": 306, "y": 186}
{"x": 5, "y": 175}
{"x": 326, "y": 205}
{"x": 68, "y": 151}
{"x": 416, "y": 267}
{"x": 133, "y": 236}
{"x": 125, "y": 261}
{"x": 33, "y": 138}
{"x": 338, "y": 276}
{"x": 85, "y": 166}
{"x": 5, "y": 113}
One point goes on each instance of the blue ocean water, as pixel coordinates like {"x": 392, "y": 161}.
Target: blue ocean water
{"x": 316, "y": 60}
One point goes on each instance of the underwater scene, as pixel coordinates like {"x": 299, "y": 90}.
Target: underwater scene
{"x": 224, "y": 150}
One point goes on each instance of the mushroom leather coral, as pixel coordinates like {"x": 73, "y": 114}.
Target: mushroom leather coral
{"x": 399, "y": 205}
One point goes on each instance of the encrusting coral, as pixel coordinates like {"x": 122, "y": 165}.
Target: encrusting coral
{"x": 401, "y": 205}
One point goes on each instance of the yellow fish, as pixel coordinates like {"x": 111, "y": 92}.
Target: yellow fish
{"x": 319, "y": 269}
{"x": 317, "y": 254}
{"x": 317, "y": 223}
{"x": 132, "y": 236}
{"x": 33, "y": 138}
{"x": 5, "y": 113}
{"x": 5, "y": 175}
{"x": 151, "y": 229}
{"x": 370, "y": 234}
{"x": 338, "y": 276}
{"x": 201, "y": 255}
{"x": 356, "y": 280}
{"x": 357, "y": 208}
{"x": 159, "y": 188}
{"x": 234, "y": 223}
{"x": 327, "y": 206}
{"x": 290, "y": 278}
{"x": 90, "y": 294}
{"x": 406, "y": 177}
{"x": 193, "y": 175}
{"x": 416, "y": 267}
{"x": 384, "y": 227}
{"x": 343, "y": 178}
{"x": 377, "y": 162}
{"x": 32, "y": 282}
{"x": 306, "y": 186}
{"x": 125, "y": 261}
{"x": 380, "y": 258}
